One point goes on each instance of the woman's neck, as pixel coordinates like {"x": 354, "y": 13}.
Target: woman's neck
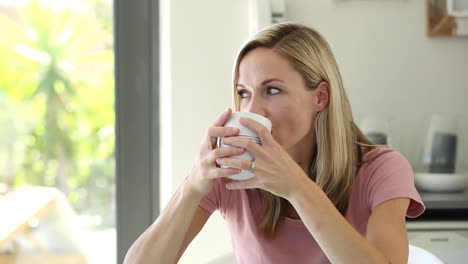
{"x": 303, "y": 152}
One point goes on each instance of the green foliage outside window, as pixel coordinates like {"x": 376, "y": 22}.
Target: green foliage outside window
{"x": 57, "y": 101}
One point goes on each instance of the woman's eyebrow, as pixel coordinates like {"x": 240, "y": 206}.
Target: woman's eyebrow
{"x": 265, "y": 82}
{"x": 271, "y": 80}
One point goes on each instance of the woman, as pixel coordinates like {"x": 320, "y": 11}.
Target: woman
{"x": 321, "y": 193}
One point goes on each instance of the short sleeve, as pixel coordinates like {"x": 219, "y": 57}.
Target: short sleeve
{"x": 216, "y": 199}
{"x": 390, "y": 177}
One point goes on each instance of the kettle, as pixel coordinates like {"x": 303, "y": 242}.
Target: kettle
{"x": 376, "y": 129}
{"x": 440, "y": 150}
{"x": 438, "y": 164}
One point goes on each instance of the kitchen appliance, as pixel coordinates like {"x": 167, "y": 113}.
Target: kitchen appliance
{"x": 439, "y": 171}
{"x": 442, "y": 182}
{"x": 376, "y": 129}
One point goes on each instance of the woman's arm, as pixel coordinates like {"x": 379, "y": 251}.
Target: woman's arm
{"x": 386, "y": 229}
{"x": 386, "y": 239}
{"x": 168, "y": 237}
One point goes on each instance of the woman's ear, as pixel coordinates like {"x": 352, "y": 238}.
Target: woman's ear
{"x": 323, "y": 95}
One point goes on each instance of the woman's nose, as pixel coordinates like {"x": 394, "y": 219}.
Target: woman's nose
{"x": 256, "y": 106}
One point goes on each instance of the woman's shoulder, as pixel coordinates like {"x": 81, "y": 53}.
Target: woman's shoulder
{"x": 387, "y": 175}
{"x": 379, "y": 155}
{"x": 383, "y": 159}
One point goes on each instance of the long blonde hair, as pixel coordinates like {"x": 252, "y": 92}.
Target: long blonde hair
{"x": 337, "y": 151}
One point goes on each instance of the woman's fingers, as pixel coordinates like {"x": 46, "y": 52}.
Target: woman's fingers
{"x": 251, "y": 146}
{"x": 223, "y": 172}
{"x": 214, "y": 131}
{"x": 237, "y": 163}
{"x": 262, "y": 132}
{"x": 244, "y": 184}
{"x": 222, "y": 131}
{"x": 204, "y": 169}
{"x": 222, "y": 118}
{"x": 226, "y": 152}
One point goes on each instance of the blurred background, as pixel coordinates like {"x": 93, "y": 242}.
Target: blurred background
{"x": 404, "y": 64}
{"x": 57, "y": 176}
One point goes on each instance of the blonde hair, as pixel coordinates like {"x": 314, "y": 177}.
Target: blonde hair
{"x": 338, "y": 149}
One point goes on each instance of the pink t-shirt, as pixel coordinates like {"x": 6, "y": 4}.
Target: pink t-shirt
{"x": 387, "y": 177}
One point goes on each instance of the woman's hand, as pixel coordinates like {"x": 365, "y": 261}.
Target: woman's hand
{"x": 205, "y": 170}
{"x": 275, "y": 170}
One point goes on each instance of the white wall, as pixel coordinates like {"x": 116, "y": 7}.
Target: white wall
{"x": 389, "y": 66}
{"x": 204, "y": 37}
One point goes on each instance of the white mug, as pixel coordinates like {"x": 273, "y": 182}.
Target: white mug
{"x": 246, "y": 133}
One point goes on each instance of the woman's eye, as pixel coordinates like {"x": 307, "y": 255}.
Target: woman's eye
{"x": 272, "y": 90}
{"x": 243, "y": 93}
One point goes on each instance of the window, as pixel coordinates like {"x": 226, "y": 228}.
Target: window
{"x": 57, "y": 176}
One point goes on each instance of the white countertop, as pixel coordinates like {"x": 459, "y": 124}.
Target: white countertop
{"x": 436, "y": 225}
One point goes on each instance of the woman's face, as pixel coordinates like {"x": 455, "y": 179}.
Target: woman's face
{"x": 269, "y": 86}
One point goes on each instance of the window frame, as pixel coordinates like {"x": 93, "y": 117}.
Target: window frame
{"x": 136, "y": 40}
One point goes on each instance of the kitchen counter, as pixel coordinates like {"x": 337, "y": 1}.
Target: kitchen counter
{"x": 455, "y": 200}
{"x": 443, "y": 228}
